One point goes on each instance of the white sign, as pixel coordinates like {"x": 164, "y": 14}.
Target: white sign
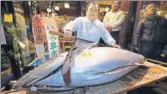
{"x": 52, "y": 40}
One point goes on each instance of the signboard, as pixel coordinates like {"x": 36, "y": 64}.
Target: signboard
{"x": 38, "y": 29}
{"x": 52, "y": 40}
{"x": 39, "y": 35}
{"x": 8, "y": 18}
{"x": 41, "y": 26}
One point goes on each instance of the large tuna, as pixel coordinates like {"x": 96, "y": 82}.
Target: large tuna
{"x": 94, "y": 66}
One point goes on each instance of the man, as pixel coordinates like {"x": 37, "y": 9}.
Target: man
{"x": 89, "y": 31}
{"x": 90, "y": 28}
{"x": 150, "y": 34}
{"x": 114, "y": 19}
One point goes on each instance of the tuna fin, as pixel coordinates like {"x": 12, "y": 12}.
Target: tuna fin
{"x": 66, "y": 65}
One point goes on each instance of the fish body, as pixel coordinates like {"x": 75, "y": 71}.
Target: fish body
{"x": 91, "y": 67}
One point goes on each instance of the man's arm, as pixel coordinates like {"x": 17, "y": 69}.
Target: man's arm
{"x": 137, "y": 35}
{"x": 105, "y": 20}
{"x": 119, "y": 22}
{"x": 72, "y": 26}
{"x": 107, "y": 38}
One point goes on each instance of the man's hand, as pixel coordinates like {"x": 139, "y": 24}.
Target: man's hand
{"x": 116, "y": 46}
{"x": 68, "y": 35}
{"x": 137, "y": 49}
{"x": 109, "y": 28}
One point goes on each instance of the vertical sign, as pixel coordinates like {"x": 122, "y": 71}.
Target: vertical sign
{"x": 39, "y": 35}
{"x": 52, "y": 40}
{"x": 38, "y": 29}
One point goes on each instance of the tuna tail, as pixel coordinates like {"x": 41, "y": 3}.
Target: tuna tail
{"x": 40, "y": 72}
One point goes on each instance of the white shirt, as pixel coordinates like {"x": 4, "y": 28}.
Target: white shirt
{"x": 114, "y": 19}
{"x": 91, "y": 31}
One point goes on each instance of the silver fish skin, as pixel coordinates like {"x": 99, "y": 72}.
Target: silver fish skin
{"x": 94, "y": 66}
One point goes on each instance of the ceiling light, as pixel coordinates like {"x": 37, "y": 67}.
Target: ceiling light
{"x": 66, "y": 5}
{"x": 57, "y": 8}
{"x": 48, "y": 10}
{"x": 159, "y": 12}
{"x": 29, "y": 3}
{"x": 107, "y": 9}
{"x": 166, "y": 16}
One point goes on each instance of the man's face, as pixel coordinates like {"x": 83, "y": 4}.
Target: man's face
{"x": 115, "y": 5}
{"x": 151, "y": 9}
{"x": 92, "y": 12}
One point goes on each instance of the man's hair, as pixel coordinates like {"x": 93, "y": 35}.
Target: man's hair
{"x": 91, "y": 2}
{"x": 119, "y": 2}
{"x": 152, "y": 4}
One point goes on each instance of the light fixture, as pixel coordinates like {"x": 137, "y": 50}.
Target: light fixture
{"x": 57, "y": 8}
{"x": 107, "y": 9}
{"x": 66, "y": 5}
{"x": 48, "y": 10}
{"x": 166, "y": 16}
{"x": 159, "y": 12}
{"x": 29, "y": 3}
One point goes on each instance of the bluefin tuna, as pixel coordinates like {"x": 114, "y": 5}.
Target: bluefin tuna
{"x": 94, "y": 66}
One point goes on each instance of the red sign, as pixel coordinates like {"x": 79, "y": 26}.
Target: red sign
{"x": 38, "y": 29}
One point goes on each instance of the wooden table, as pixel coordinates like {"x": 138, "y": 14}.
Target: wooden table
{"x": 142, "y": 76}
